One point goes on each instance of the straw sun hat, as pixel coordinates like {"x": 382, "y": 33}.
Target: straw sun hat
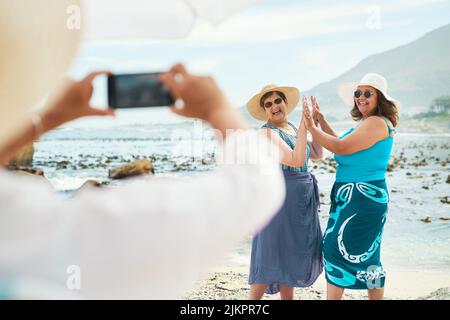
{"x": 254, "y": 108}
{"x": 36, "y": 49}
{"x": 346, "y": 90}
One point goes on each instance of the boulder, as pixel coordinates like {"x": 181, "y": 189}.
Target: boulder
{"x": 445, "y": 200}
{"x": 134, "y": 168}
{"x": 35, "y": 173}
{"x": 426, "y": 219}
{"x": 92, "y": 183}
{"x": 24, "y": 157}
{"x": 25, "y": 170}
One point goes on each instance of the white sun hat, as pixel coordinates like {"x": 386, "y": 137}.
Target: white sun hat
{"x": 346, "y": 90}
{"x": 37, "y": 46}
{"x": 254, "y": 107}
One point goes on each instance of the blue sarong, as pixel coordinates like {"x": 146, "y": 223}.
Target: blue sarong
{"x": 351, "y": 244}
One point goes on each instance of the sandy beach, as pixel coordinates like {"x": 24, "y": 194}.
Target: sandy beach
{"x": 231, "y": 284}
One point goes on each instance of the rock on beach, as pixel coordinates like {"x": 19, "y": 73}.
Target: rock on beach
{"x": 134, "y": 168}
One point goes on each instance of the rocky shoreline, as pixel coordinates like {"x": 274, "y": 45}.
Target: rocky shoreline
{"x": 162, "y": 162}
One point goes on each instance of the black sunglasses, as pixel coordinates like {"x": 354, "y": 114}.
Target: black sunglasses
{"x": 367, "y": 94}
{"x": 276, "y": 101}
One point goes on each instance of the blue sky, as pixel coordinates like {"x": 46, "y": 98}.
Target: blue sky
{"x": 300, "y": 43}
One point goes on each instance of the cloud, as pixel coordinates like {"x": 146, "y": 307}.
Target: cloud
{"x": 304, "y": 19}
{"x": 141, "y": 19}
{"x": 269, "y": 22}
{"x": 203, "y": 65}
{"x": 275, "y": 25}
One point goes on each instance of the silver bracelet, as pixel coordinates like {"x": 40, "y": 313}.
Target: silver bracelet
{"x": 36, "y": 120}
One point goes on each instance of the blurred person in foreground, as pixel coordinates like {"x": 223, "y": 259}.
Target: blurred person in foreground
{"x": 146, "y": 239}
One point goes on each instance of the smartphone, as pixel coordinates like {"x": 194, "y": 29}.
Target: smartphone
{"x": 137, "y": 90}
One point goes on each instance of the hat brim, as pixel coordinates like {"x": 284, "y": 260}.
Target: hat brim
{"x": 256, "y": 111}
{"x": 347, "y": 90}
{"x": 37, "y": 50}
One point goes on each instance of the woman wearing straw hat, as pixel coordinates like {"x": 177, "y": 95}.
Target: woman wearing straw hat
{"x": 148, "y": 239}
{"x": 359, "y": 198}
{"x": 286, "y": 253}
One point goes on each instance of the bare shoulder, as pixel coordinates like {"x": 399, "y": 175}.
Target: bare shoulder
{"x": 375, "y": 124}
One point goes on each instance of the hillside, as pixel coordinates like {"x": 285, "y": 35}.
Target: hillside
{"x": 417, "y": 73}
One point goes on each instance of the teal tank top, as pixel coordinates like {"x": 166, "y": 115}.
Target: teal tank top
{"x": 291, "y": 140}
{"x": 365, "y": 165}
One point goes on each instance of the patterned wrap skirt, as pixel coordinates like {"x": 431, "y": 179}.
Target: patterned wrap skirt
{"x": 351, "y": 243}
{"x": 288, "y": 250}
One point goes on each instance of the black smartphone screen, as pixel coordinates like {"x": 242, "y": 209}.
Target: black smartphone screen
{"x": 137, "y": 91}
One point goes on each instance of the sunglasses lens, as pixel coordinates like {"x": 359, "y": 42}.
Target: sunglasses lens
{"x": 278, "y": 100}
{"x": 357, "y": 93}
{"x": 268, "y": 104}
{"x": 367, "y": 94}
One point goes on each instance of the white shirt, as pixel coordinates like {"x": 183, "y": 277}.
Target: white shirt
{"x": 148, "y": 239}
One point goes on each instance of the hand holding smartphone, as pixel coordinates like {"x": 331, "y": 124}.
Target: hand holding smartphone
{"x": 137, "y": 90}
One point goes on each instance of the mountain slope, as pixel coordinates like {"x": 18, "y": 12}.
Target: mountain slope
{"x": 417, "y": 73}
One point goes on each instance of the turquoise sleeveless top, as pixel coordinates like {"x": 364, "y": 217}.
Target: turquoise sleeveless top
{"x": 291, "y": 140}
{"x": 365, "y": 165}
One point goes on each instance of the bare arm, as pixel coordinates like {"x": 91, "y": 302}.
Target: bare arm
{"x": 316, "y": 150}
{"x": 326, "y": 127}
{"x": 222, "y": 117}
{"x": 14, "y": 145}
{"x": 72, "y": 104}
{"x": 319, "y": 119}
{"x": 372, "y": 130}
{"x": 294, "y": 158}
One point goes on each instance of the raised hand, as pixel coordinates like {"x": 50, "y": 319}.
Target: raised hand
{"x": 307, "y": 117}
{"x": 317, "y": 114}
{"x": 74, "y": 103}
{"x": 200, "y": 97}
{"x": 197, "y": 97}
